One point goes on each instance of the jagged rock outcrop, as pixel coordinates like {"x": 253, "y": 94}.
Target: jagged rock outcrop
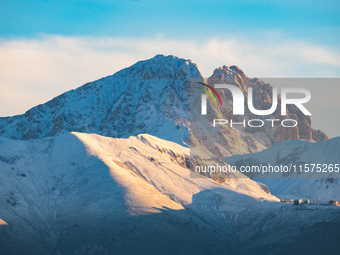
{"x": 262, "y": 99}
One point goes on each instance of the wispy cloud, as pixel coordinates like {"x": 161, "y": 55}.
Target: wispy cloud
{"x": 33, "y": 71}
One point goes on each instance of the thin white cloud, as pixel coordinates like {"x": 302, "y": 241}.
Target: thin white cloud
{"x": 33, "y": 71}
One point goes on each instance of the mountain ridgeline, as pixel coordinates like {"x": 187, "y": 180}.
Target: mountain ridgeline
{"x": 151, "y": 96}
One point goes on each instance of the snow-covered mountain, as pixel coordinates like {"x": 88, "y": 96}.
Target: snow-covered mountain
{"x": 299, "y": 184}
{"x": 88, "y": 194}
{"x": 153, "y": 97}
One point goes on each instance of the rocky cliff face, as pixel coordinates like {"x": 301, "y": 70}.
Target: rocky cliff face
{"x": 153, "y": 97}
{"x": 225, "y": 140}
{"x": 262, "y": 99}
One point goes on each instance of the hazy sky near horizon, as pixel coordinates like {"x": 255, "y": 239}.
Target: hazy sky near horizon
{"x": 50, "y": 46}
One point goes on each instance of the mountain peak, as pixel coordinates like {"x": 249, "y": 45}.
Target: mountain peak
{"x": 225, "y": 71}
{"x": 162, "y": 66}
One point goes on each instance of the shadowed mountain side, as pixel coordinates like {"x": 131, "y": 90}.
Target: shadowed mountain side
{"x": 165, "y": 231}
{"x": 14, "y": 241}
{"x": 321, "y": 238}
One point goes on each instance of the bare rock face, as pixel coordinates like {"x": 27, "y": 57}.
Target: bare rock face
{"x": 318, "y": 135}
{"x": 153, "y": 96}
{"x": 262, "y": 99}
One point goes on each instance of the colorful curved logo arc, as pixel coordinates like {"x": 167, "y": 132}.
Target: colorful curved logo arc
{"x": 210, "y": 94}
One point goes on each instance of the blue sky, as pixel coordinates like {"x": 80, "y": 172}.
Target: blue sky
{"x": 318, "y": 21}
{"x": 50, "y": 46}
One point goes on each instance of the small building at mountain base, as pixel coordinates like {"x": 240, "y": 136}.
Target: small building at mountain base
{"x": 298, "y": 202}
{"x": 333, "y": 202}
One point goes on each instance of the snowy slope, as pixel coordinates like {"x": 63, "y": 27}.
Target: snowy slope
{"x": 84, "y": 193}
{"x": 298, "y": 152}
